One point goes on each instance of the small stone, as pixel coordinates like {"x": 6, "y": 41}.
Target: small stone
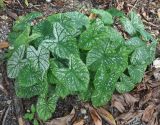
{"x": 83, "y": 111}
{"x": 156, "y": 63}
{"x": 85, "y": 117}
{"x": 48, "y": 1}
{"x": 9, "y": 102}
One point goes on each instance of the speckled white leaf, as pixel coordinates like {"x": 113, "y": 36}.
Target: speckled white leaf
{"x": 125, "y": 84}
{"x": 63, "y": 45}
{"x": 141, "y": 55}
{"x": 45, "y": 107}
{"x": 73, "y": 79}
{"x": 16, "y": 62}
{"x": 105, "y": 52}
{"x": 104, "y": 15}
{"x": 39, "y": 58}
{"x": 136, "y": 72}
{"x": 104, "y": 85}
{"x": 128, "y": 26}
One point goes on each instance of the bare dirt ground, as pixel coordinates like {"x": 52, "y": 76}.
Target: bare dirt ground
{"x": 139, "y": 107}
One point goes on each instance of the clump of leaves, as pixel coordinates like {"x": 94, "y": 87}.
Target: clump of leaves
{"x": 30, "y": 115}
{"x": 69, "y": 53}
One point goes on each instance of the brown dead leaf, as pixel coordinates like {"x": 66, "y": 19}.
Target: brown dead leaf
{"x": 81, "y": 122}
{"x": 154, "y": 120}
{"x": 4, "y": 44}
{"x": 118, "y": 104}
{"x": 148, "y": 113}
{"x": 126, "y": 117}
{"x": 130, "y": 100}
{"x": 20, "y": 121}
{"x": 95, "y": 116}
{"x": 62, "y": 120}
{"x": 92, "y": 16}
{"x": 106, "y": 116}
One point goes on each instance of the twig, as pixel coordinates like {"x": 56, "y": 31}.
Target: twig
{"x": 20, "y": 4}
{"x": 135, "y": 3}
{"x": 5, "y": 115}
{"x": 152, "y": 24}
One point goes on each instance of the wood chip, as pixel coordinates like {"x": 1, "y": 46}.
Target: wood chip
{"x": 95, "y": 116}
{"x": 4, "y": 44}
{"x": 62, "y": 120}
{"x": 106, "y": 116}
{"x": 148, "y": 113}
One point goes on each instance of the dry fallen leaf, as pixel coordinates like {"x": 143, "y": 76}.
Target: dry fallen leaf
{"x": 62, "y": 120}
{"x": 118, "y": 102}
{"x": 106, "y": 116}
{"x": 130, "y": 100}
{"x": 126, "y": 117}
{"x": 92, "y": 16}
{"x": 148, "y": 113}
{"x": 95, "y": 116}
{"x": 81, "y": 122}
{"x": 4, "y": 44}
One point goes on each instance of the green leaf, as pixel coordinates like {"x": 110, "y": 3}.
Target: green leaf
{"x": 128, "y": 26}
{"x": 104, "y": 15}
{"x": 136, "y": 72}
{"x": 45, "y": 29}
{"x": 25, "y": 21}
{"x": 104, "y": 84}
{"x": 113, "y": 35}
{"x": 33, "y": 109}
{"x": 94, "y": 34}
{"x": 16, "y": 62}
{"x": 63, "y": 45}
{"x": 25, "y": 38}
{"x": 28, "y": 92}
{"x": 73, "y": 79}
{"x": 28, "y": 76}
{"x": 45, "y": 107}
{"x": 51, "y": 77}
{"x": 115, "y": 12}
{"x": 125, "y": 84}
{"x": 67, "y": 21}
{"x": 78, "y": 20}
{"x": 106, "y": 52}
{"x": 29, "y": 116}
{"x": 40, "y": 58}
{"x": 134, "y": 43}
{"x": 35, "y": 122}
{"x": 136, "y": 21}
{"x": 140, "y": 56}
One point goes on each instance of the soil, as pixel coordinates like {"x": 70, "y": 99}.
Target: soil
{"x": 124, "y": 110}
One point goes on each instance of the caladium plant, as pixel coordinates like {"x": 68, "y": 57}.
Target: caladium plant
{"x": 72, "y": 54}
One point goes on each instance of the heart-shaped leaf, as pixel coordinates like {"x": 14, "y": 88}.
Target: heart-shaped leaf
{"x": 104, "y": 15}
{"x": 104, "y": 86}
{"x": 136, "y": 72}
{"x": 73, "y": 79}
{"x": 16, "y": 62}
{"x": 125, "y": 84}
{"x": 106, "y": 52}
{"x": 45, "y": 107}
{"x": 39, "y": 58}
{"x": 63, "y": 45}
